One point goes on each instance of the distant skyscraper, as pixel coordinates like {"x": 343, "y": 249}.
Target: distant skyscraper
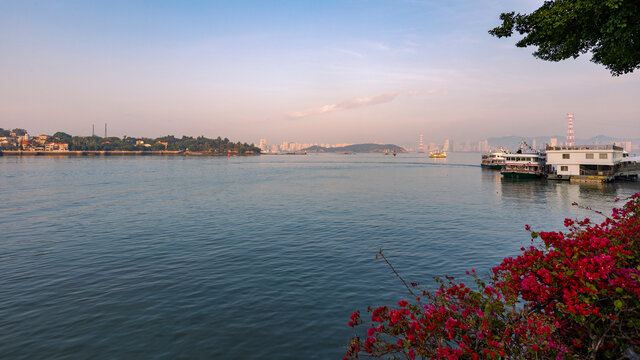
{"x": 483, "y": 145}
{"x": 421, "y": 145}
{"x": 553, "y": 142}
{"x": 263, "y": 144}
{"x": 533, "y": 143}
{"x": 445, "y": 147}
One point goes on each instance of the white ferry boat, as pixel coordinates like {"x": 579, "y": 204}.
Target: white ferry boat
{"x": 495, "y": 159}
{"x": 525, "y": 163}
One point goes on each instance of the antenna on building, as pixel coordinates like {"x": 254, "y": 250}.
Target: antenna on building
{"x": 570, "y": 139}
{"x": 105, "y": 130}
{"x": 421, "y": 147}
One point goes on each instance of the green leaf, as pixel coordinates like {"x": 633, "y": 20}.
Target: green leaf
{"x": 618, "y": 304}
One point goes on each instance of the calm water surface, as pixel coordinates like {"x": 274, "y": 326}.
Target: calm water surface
{"x": 253, "y": 258}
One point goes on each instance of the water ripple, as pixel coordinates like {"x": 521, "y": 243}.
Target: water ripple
{"x": 253, "y": 258}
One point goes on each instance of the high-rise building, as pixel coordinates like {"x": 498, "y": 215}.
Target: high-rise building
{"x": 263, "y": 145}
{"x": 483, "y": 146}
{"x": 467, "y": 145}
{"x": 445, "y": 147}
{"x": 553, "y": 142}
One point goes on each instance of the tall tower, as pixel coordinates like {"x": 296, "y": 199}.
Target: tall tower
{"x": 421, "y": 147}
{"x": 105, "y": 130}
{"x": 570, "y": 139}
{"x": 93, "y": 130}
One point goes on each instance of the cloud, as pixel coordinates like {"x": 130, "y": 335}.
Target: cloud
{"x": 428, "y": 92}
{"x": 379, "y": 46}
{"x": 351, "y": 53}
{"x": 346, "y": 105}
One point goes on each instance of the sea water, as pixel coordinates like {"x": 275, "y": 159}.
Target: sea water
{"x": 261, "y": 257}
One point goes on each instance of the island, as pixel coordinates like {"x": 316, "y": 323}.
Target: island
{"x": 19, "y": 142}
{"x": 358, "y": 148}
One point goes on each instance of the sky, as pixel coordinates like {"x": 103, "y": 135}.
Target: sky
{"x": 348, "y": 71}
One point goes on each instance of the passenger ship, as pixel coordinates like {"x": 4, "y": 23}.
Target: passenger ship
{"x": 438, "y": 154}
{"x": 494, "y": 160}
{"x": 525, "y": 163}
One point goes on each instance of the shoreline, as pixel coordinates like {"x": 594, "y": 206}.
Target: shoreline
{"x": 116, "y": 153}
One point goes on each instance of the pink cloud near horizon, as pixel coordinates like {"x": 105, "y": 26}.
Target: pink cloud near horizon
{"x": 346, "y": 105}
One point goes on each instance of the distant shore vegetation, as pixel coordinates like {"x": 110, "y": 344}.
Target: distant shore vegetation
{"x": 18, "y": 139}
{"x": 359, "y": 148}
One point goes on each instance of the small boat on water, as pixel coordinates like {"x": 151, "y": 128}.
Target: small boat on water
{"x": 526, "y": 163}
{"x": 494, "y": 159}
{"x": 437, "y": 154}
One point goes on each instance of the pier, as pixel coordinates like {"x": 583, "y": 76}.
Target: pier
{"x": 590, "y": 163}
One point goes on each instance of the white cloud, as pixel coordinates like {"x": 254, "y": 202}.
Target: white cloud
{"x": 351, "y": 53}
{"x": 347, "y": 104}
{"x": 379, "y": 46}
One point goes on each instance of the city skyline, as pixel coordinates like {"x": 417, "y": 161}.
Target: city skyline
{"x": 330, "y": 72}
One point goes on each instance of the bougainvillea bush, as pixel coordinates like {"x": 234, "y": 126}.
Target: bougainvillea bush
{"x": 573, "y": 295}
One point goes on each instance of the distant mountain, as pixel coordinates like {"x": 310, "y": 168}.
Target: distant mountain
{"x": 359, "y": 148}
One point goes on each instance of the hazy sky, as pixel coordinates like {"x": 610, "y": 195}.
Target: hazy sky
{"x": 305, "y": 71}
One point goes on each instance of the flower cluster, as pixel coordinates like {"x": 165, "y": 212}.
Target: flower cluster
{"x": 574, "y": 295}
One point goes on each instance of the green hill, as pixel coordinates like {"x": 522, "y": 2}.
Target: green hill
{"x": 359, "y": 148}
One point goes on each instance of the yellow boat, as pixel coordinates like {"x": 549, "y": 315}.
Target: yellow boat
{"x": 438, "y": 154}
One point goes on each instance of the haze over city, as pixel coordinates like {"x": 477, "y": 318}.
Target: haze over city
{"x": 311, "y": 72}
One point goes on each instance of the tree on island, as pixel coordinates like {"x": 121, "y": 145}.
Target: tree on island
{"x": 19, "y": 132}
{"x": 63, "y": 137}
{"x": 562, "y": 29}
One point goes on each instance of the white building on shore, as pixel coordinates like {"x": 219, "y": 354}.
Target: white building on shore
{"x": 589, "y": 162}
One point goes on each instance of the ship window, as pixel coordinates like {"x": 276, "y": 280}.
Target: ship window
{"x": 565, "y": 156}
{"x": 564, "y": 168}
{"x": 603, "y": 156}
{"x": 588, "y": 156}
